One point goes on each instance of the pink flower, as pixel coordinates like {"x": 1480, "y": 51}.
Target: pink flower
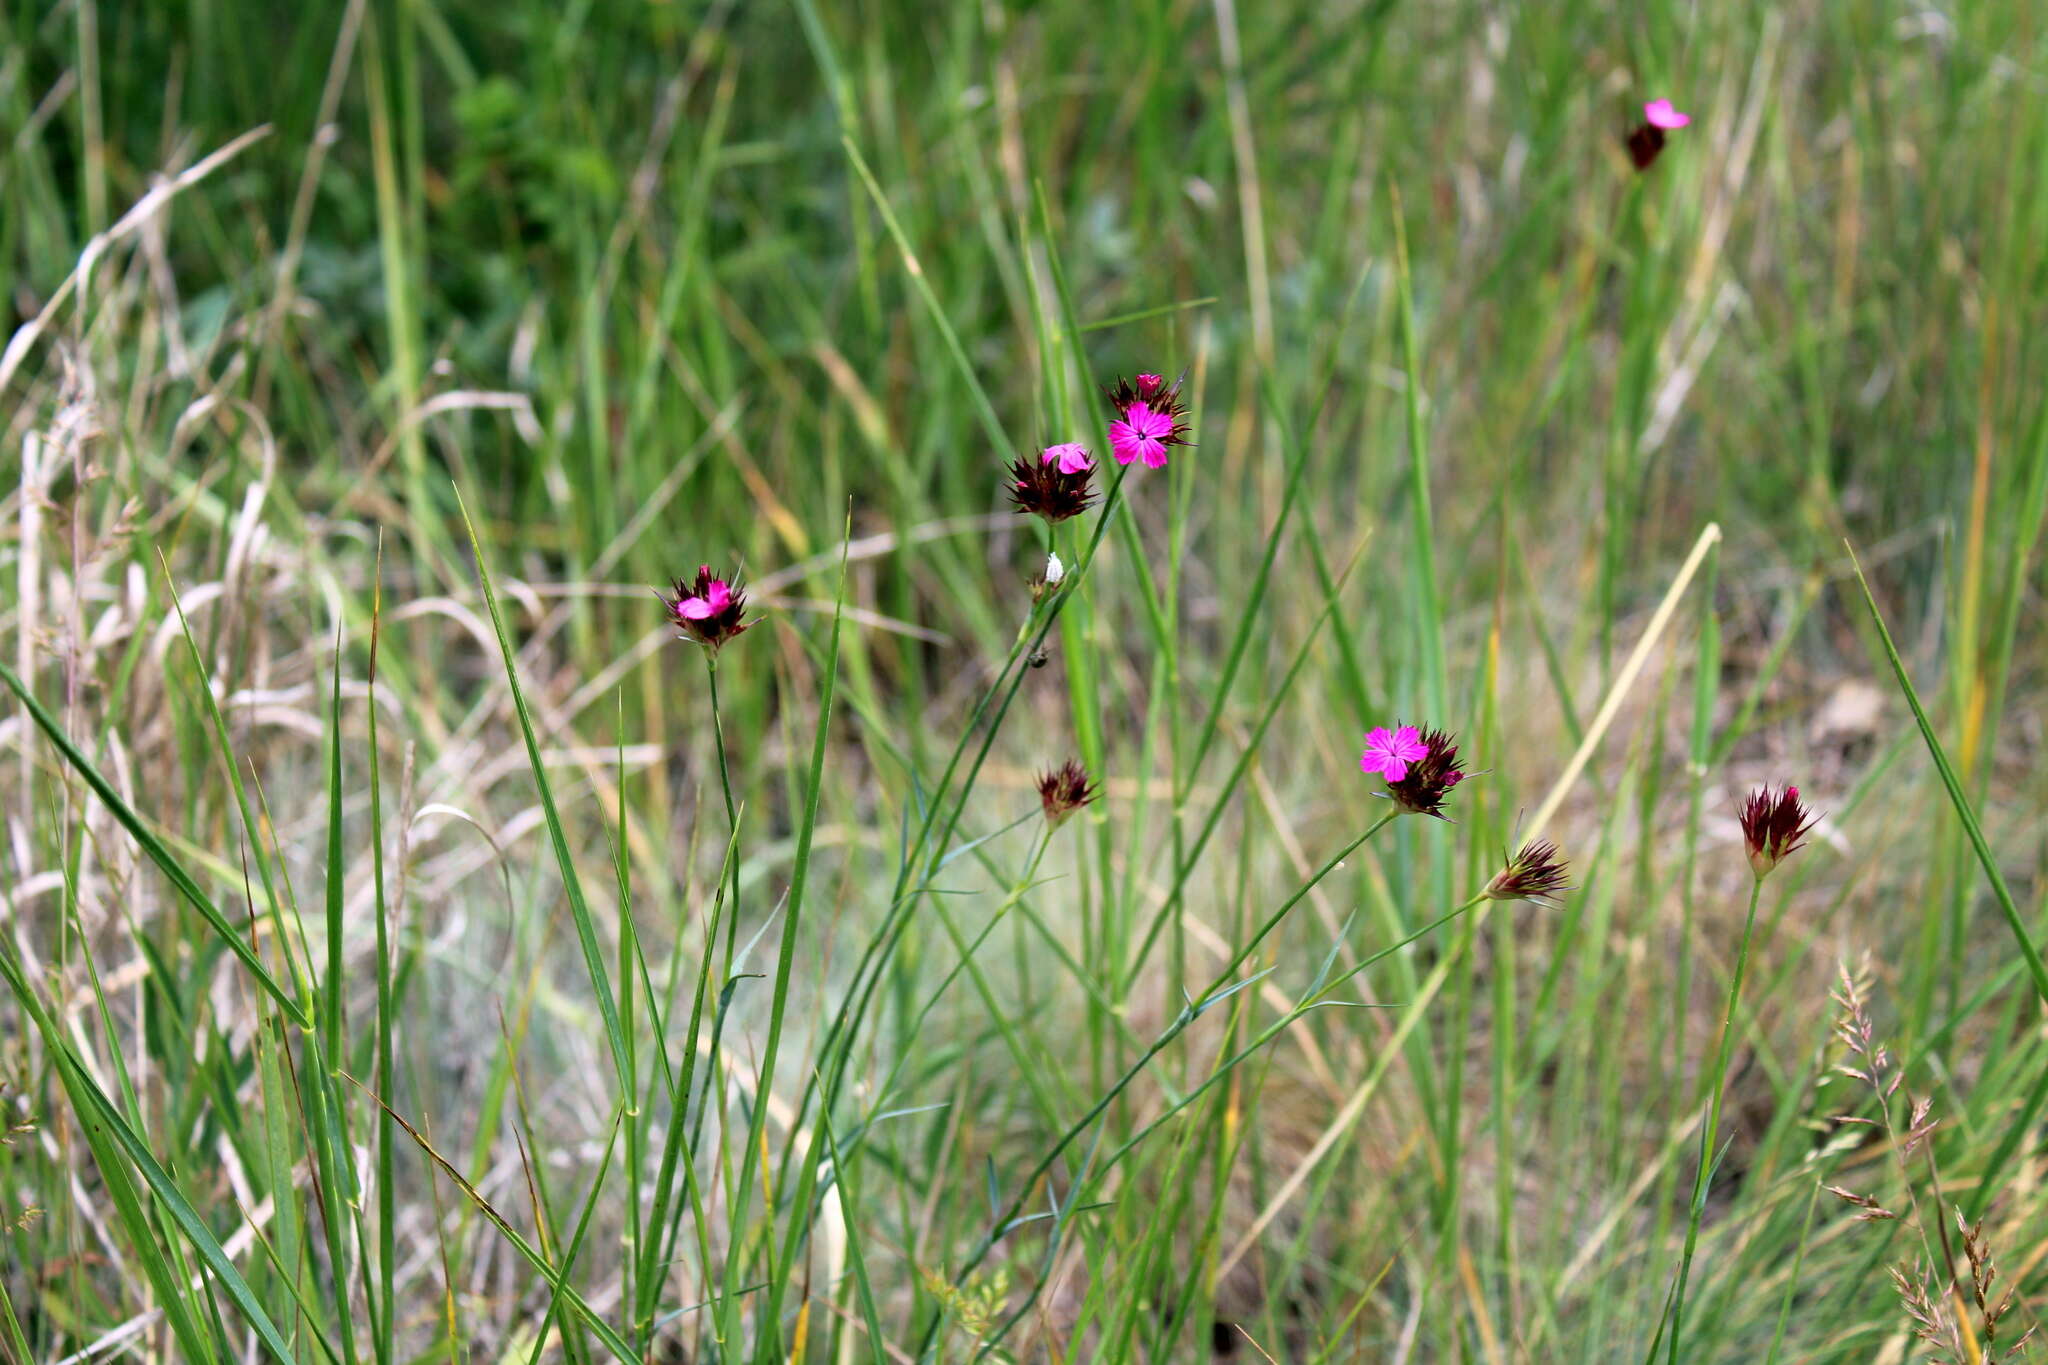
{"x": 706, "y": 609}
{"x": 717, "y": 597}
{"x": 1141, "y": 434}
{"x": 1150, "y": 416}
{"x": 1389, "y": 752}
{"x": 1071, "y": 456}
{"x": 1660, "y": 114}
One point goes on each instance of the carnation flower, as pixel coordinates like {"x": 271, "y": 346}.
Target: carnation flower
{"x": 1536, "y": 873}
{"x": 1063, "y": 791}
{"x": 1150, "y": 416}
{"x": 706, "y": 609}
{"x": 1055, "y": 485}
{"x": 1420, "y": 767}
{"x": 1646, "y": 139}
{"x": 1773, "y": 826}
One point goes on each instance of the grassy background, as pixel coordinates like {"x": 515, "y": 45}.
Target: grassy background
{"x": 643, "y": 285}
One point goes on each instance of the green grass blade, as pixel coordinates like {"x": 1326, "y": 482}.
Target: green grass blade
{"x": 154, "y": 847}
{"x": 94, "y": 1106}
{"x": 2032, "y": 955}
{"x": 572, "y": 885}
{"x": 785, "y": 962}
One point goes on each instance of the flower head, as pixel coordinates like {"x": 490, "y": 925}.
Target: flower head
{"x": 1427, "y": 778}
{"x": 1150, "y": 416}
{"x": 1535, "y": 873}
{"x": 1141, "y": 434}
{"x": 707, "y": 610}
{"x": 1063, "y": 791}
{"x": 1646, "y": 139}
{"x": 1047, "y": 487}
{"x": 1773, "y": 826}
{"x": 1389, "y": 752}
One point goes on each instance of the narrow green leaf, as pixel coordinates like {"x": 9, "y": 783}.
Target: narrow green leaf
{"x": 572, "y": 885}
{"x": 2028, "y": 951}
{"x": 154, "y": 847}
{"x": 95, "y": 1107}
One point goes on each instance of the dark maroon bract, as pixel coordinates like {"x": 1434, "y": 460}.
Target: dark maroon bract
{"x": 1055, "y": 485}
{"x": 1427, "y": 780}
{"x": 1773, "y": 826}
{"x": 1536, "y": 873}
{"x": 1063, "y": 791}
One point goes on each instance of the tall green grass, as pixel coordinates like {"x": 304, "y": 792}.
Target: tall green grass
{"x": 413, "y": 952}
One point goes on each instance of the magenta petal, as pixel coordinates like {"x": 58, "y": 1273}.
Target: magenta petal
{"x": 1146, "y": 422}
{"x": 719, "y": 596}
{"x": 1071, "y": 455}
{"x": 1155, "y": 455}
{"x": 1124, "y": 442}
{"x": 1661, "y": 114}
{"x": 695, "y": 609}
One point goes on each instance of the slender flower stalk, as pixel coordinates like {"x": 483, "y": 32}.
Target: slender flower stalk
{"x": 1772, "y": 827}
{"x": 925, "y": 848}
{"x": 1697, "y": 1206}
{"x": 1040, "y": 842}
{"x": 1219, "y": 990}
{"x": 732, "y": 895}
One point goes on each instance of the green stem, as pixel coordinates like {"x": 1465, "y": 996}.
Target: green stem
{"x": 1191, "y": 1011}
{"x": 1713, "y": 1124}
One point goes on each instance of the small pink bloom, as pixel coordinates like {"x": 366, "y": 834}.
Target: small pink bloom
{"x": 1389, "y": 752}
{"x": 1071, "y": 456}
{"x": 710, "y": 599}
{"x": 707, "y": 610}
{"x": 1142, "y": 434}
{"x": 1661, "y": 114}
{"x": 1148, "y": 384}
